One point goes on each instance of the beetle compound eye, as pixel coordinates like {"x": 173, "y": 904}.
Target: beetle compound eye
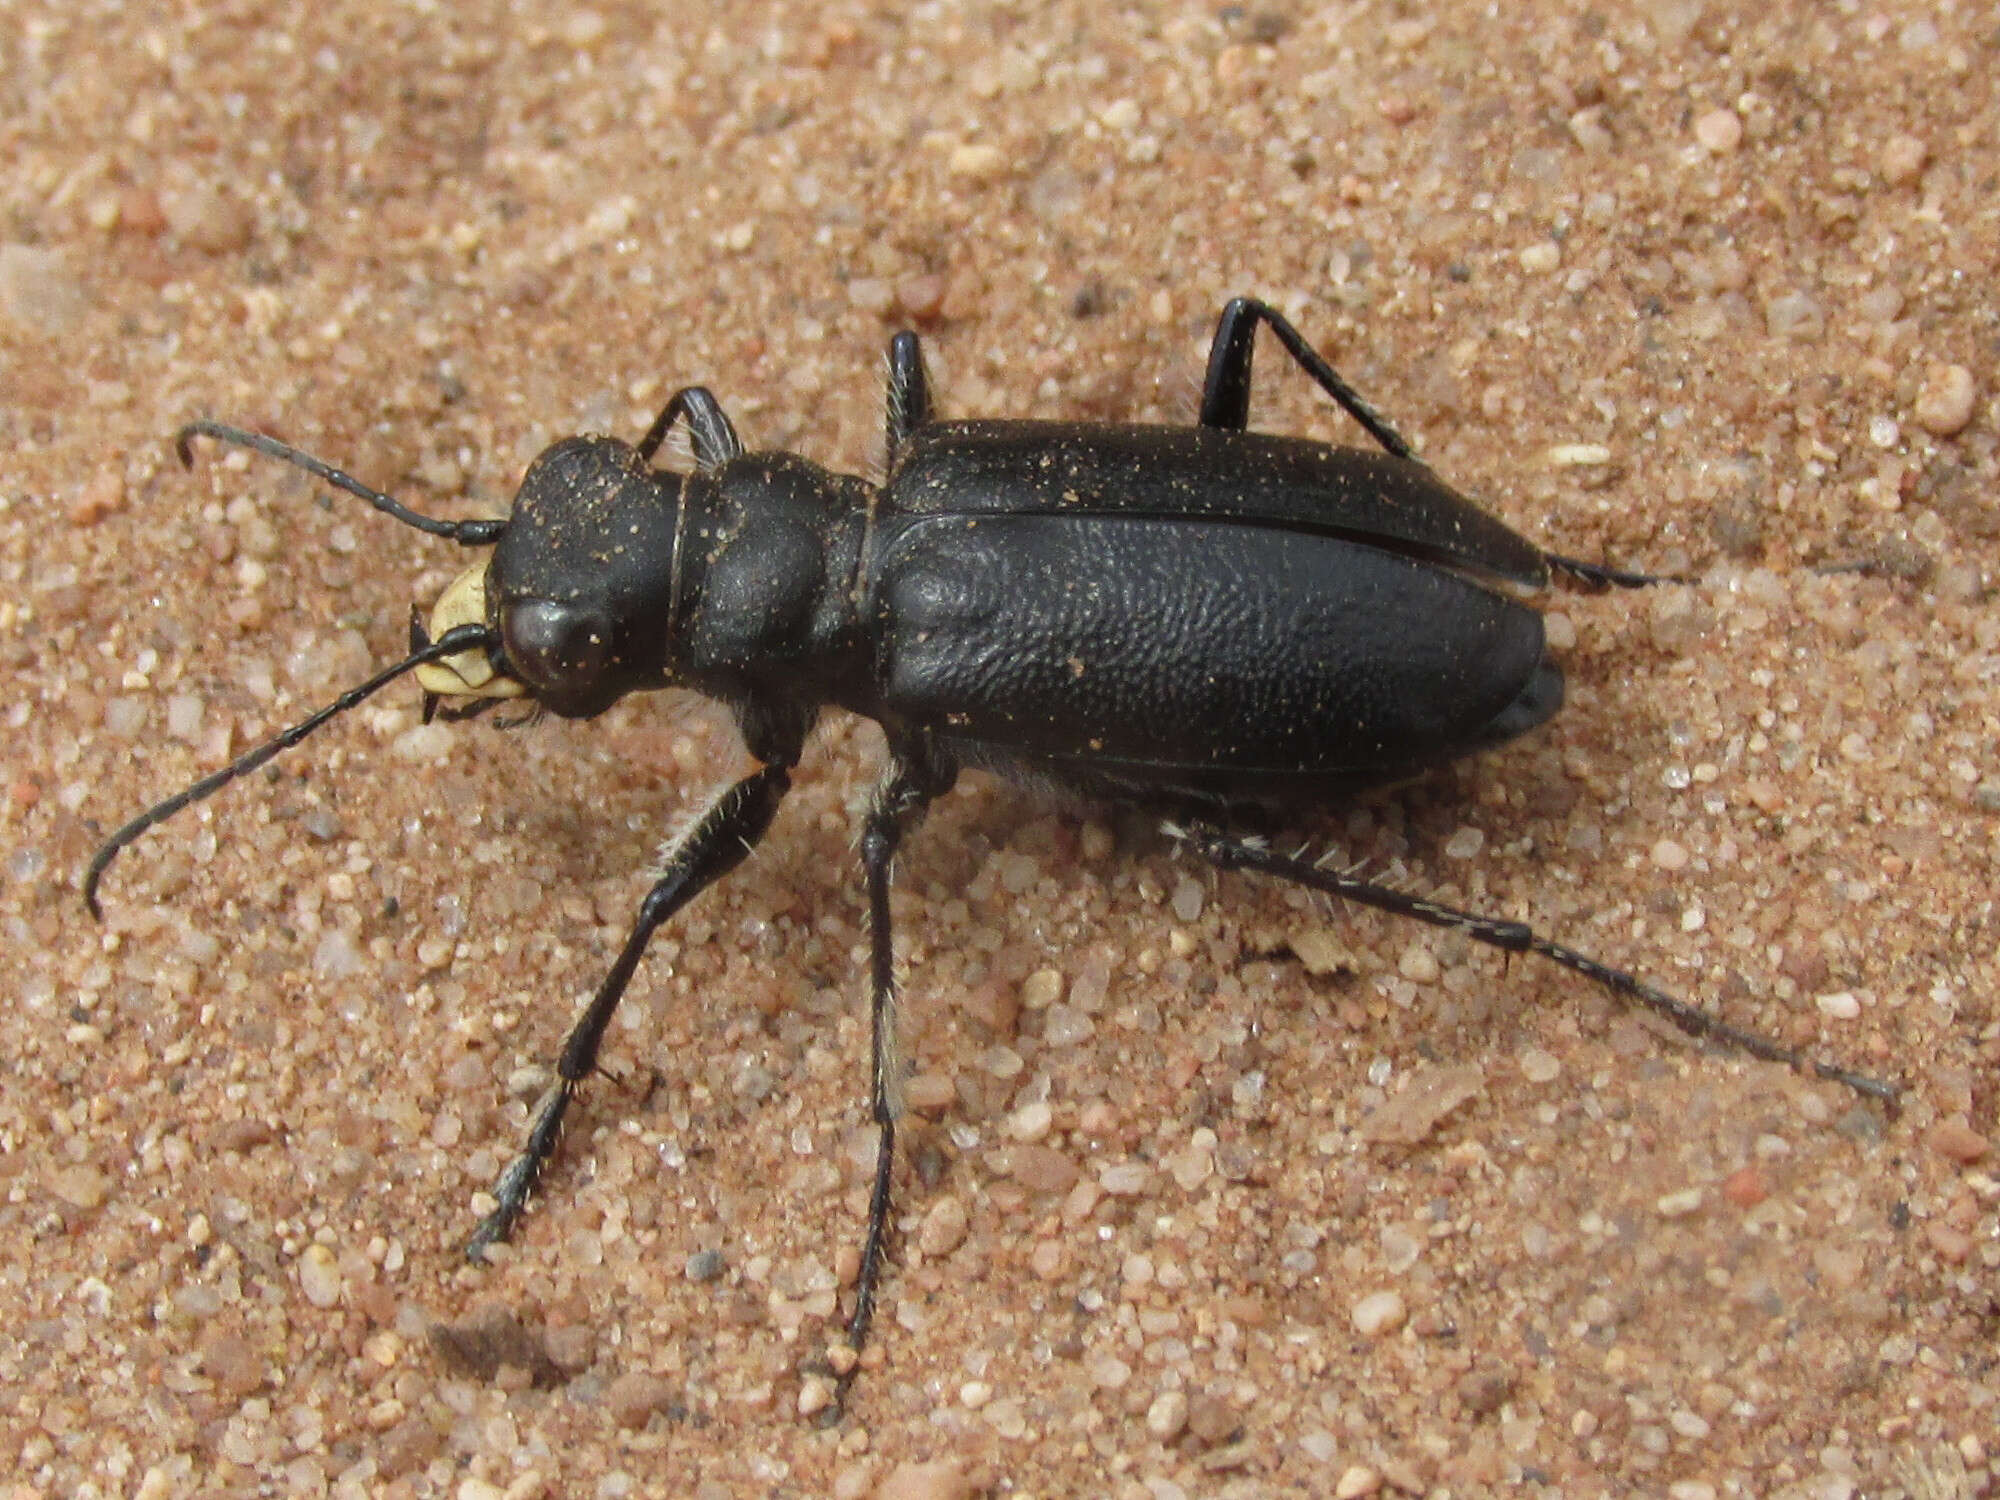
{"x": 554, "y": 646}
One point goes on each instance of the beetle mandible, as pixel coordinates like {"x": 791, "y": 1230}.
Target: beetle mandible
{"x": 1191, "y": 620}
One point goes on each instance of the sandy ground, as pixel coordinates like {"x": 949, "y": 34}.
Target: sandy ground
{"x": 1697, "y": 288}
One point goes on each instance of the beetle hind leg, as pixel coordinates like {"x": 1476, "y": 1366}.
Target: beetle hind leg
{"x": 1228, "y": 853}
{"x": 915, "y": 777}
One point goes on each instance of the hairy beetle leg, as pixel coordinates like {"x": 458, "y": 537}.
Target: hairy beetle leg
{"x": 719, "y": 841}
{"x": 908, "y": 406}
{"x": 914, "y": 779}
{"x": 709, "y": 431}
{"x": 1517, "y": 937}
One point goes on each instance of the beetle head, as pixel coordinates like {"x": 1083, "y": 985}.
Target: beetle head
{"x": 579, "y": 587}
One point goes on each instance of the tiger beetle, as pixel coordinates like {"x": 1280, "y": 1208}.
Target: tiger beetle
{"x": 1199, "y": 622}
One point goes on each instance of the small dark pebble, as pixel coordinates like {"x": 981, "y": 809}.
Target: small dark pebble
{"x": 705, "y": 1265}
{"x": 321, "y": 824}
{"x": 1090, "y": 299}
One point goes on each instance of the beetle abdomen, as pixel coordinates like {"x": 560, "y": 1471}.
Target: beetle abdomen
{"x": 1156, "y": 648}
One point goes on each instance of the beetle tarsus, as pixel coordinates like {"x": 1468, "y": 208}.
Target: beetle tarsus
{"x": 1597, "y": 576}
{"x": 517, "y": 1182}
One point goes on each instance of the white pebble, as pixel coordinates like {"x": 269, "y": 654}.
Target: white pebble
{"x": 1418, "y": 965}
{"x": 1794, "y": 315}
{"x": 1031, "y": 1122}
{"x": 1542, "y": 257}
{"x": 1579, "y": 456}
{"x": 319, "y": 1276}
{"x": 1944, "y": 404}
{"x": 1126, "y": 1179}
{"x": 943, "y": 1228}
{"x": 1903, "y": 156}
{"x": 1167, "y": 1415}
{"x": 1108, "y": 1372}
{"x": 1679, "y": 1205}
{"x": 1187, "y": 899}
{"x": 1464, "y": 844}
{"x": 1720, "y": 131}
{"x": 1379, "y": 1313}
{"x": 980, "y": 163}
{"x": 1841, "y": 1005}
{"x": 1538, "y": 1066}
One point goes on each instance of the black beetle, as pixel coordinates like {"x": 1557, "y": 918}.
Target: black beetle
{"x": 1193, "y": 620}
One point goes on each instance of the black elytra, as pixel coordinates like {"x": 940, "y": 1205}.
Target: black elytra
{"x": 1190, "y": 620}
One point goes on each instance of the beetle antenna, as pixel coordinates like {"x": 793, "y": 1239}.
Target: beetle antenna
{"x": 459, "y": 639}
{"x": 480, "y": 533}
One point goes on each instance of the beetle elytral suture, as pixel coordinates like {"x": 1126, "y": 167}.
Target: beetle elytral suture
{"x": 1192, "y": 620}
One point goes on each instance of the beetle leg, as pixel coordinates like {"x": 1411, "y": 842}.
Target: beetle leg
{"x": 915, "y": 777}
{"x": 1225, "y": 394}
{"x": 1597, "y": 577}
{"x": 1517, "y": 937}
{"x": 909, "y": 403}
{"x": 715, "y": 441}
{"x": 715, "y": 845}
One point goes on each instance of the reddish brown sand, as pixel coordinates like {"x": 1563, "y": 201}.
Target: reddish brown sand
{"x": 1699, "y": 288}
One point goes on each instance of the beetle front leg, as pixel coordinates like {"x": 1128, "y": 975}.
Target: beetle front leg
{"x": 1517, "y": 937}
{"x": 1225, "y": 394}
{"x": 915, "y": 778}
{"x": 718, "y": 842}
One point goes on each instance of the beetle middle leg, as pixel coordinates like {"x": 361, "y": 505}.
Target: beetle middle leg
{"x": 1225, "y": 402}
{"x": 1228, "y": 853}
{"x": 718, "y": 842}
{"x": 1225, "y": 393}
{"x": 915, "y": 777}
